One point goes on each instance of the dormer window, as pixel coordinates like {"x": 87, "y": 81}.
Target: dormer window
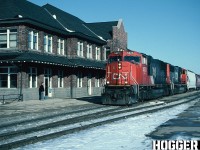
{"x": 8, "y": 38}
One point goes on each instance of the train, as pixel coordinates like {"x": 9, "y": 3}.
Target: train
{"x": 132, "y": 77}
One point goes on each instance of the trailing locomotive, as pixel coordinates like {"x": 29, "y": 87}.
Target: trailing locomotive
{"x": 132, "y": 76}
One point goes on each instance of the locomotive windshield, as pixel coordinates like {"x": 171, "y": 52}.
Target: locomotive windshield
{"x": 132, "y": 59}
{"x": 114, "y": 59}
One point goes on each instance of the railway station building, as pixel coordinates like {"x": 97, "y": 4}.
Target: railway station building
{"x": 45, "y": 44}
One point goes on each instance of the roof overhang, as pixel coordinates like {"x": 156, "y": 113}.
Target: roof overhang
{"x": 41, "y": 58}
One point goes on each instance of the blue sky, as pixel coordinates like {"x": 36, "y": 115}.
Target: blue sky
{"x": 168, "y": 30}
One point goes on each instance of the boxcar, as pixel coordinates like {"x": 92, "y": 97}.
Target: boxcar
{"x": 197, "y": 81}
{"x": 191, "y": 80}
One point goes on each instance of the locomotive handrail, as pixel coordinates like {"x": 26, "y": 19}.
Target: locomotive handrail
{"x": 135, "y": 82}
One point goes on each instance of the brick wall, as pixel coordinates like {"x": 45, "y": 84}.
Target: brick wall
{"x": 119, "y": 36}
{"x": 70, "y": 74}
{"x": 22, "y": 37}
{"x": 72, "y": 47}
{"x": 119, "y": 40}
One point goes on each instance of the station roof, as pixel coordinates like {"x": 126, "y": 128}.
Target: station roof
{"x": 42, "y": 58}
{"x": 71, "y": 23}
{"x": 53, "y": 19}
{"x": 23, "y": 11}
{"x": 103, "y": 29}
{"x": 88, "y": 63}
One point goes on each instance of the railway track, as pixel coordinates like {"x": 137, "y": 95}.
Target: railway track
{"x": 24, "y": 132}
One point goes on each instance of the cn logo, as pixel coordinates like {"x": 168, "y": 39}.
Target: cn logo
{"x": 117, "y": 76}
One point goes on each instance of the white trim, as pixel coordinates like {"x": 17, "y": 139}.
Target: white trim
{"x": 80, "y": 48}
{"x": 97, "y": 82}
{"x": 8, "y": 38}
{"x": 119, "y": 23}
{"x": 60, "y": 76}
{"x": 79, "y": 80}
{"x": 60, "y": 51}
{"x": 46, "y": 47}
{"x": 89, "y": 51}
{"x": 31, "y": 77}
{"x": 8, "y": 76}
{"x": 100, "y": 37}
{"x": 105, "y": 51}
{"x": 58, "y": 46}
{"x": 98, "y": 53}
{"x": 32, "y": 34}
{"x": 30, "y": 43}
{"x": 8, "y": 34}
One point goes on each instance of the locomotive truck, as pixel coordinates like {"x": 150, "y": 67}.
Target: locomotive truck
{"x": 132, "y": 76}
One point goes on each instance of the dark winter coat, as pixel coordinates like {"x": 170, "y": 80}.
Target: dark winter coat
{"x": 41, "y": 89}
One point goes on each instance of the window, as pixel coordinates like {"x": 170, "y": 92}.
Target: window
{"x": 97, "y": 82}
{"x": 144, "y": 60}
{"x": 32, "y": 77}
{"x": 47, "y": 79}
{"x": 89, "y": 51}
{"x": 104, "y": 54}
{"x": 80, "y": 49}
{"x": 60, "y": 48}
{"x": 33, "y": 40}
{"x": 8, "y": 38}
{"x": 8, "y": 77}
{"x": 107, "y": 53}
{"x": 60, "y": 79}
{"x": 48, "y": 43}
{"x": 97, "y": 53}
{"x": 132, "y": 59}
{"x": 114, "y": 59}
{"x": 79, "y": 79}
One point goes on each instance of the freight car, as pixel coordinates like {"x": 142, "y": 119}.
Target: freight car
{"x": 191, "y": 80}
{"x": 132, "y": 76}
{"x": 197, "y": 82}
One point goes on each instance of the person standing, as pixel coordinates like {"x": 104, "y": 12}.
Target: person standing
{"x": 41, "y": 91}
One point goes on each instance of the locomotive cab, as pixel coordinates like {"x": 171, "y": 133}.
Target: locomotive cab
{"x": 121, "y": 68}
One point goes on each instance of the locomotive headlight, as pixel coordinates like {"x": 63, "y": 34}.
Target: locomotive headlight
{"x": 107, "y": 82}
{"x": 126, "y": 82}
{"x": 119, "y": 65}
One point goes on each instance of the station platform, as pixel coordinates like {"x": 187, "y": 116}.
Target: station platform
{"x": 185, "y": 126}
{"x": 46, "y": 106}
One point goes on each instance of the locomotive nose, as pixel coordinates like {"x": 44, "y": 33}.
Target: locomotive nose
{"x": 119, "y": 75}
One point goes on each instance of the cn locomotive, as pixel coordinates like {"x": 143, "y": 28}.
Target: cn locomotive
{"x": 132, "y": 76}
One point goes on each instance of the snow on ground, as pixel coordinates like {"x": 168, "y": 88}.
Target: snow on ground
{"x": 127, "y": 134}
